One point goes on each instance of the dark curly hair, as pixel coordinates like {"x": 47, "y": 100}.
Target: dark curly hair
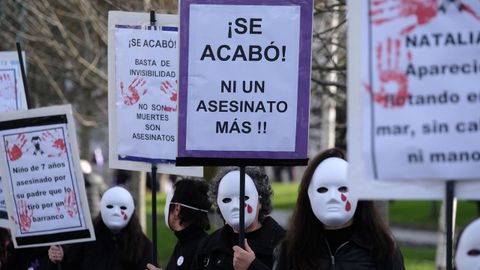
{"x": 261, "y": 181}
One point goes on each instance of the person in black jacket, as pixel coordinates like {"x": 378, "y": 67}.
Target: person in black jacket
{"x": 330, "y": 230}
{"x": 220, "y": 250}
{"x": 186, "y": 214}
{"x": 120, "y": 243}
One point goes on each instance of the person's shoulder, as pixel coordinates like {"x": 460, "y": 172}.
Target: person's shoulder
{"x": 210, "y": 241}
{"x": 272, "y": 226}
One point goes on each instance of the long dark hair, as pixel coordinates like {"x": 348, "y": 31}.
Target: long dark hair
{"x": 131, "y": 239}
{"x": 306, "y": 232}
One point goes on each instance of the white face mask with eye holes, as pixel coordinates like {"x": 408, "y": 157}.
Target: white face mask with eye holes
{"x": 116, "y": 208}
{"x": 228, "y": 199}
{"x": 468, "y": 249}
{"x": 329, "y": 193}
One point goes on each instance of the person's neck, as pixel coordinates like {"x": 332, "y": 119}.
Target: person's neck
{"x": 255, "y": 226}
{"x": 348, "y": 224}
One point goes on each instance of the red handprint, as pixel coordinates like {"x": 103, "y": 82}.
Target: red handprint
{"x": 55, "y": 138}
{"x": 70, "y": 203}
{"x": 132, "y": 95}
{"x": 25, "y": 216}
{"x": 171, "y": 91}
{"x": 423, "y": 10}
{"x": 16, "y": 151}
{"x": 391, "y": 74}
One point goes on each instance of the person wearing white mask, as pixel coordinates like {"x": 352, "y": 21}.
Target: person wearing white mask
{"x": 120, "y": 243}
{"x": 467, "y": 256}
{"x": 220, "y": 250}
{"x": 330, "y": 228}
{"x": 186, "y": 214}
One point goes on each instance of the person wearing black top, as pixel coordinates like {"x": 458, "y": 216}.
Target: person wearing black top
{"x": 120, "y": 243}
{"x": 186, "y": 214}
{"x": 220, "y": 250}
{"x": 330, "y": 229}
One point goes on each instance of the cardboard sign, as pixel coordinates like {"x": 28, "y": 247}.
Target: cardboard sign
{"x": 244, "y": 83}
{"x": 413, "y": 102}
{"x": 46, "y": 193}
{"x": 143, "y": 91}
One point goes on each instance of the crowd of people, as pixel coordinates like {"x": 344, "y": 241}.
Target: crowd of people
{"x": 330, "y": 228}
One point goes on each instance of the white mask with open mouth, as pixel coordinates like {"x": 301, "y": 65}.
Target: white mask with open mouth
{"x": 228, "y": 199}
{"x": 468, "y": 249}
{"x": 329, "y": 193}
{"x": 116, "y": 208}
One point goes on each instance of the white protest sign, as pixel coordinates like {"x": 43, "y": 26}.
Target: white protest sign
{"x": 143, "y": 89}
{"x": 244, "y": 85}
{"x": 47, "y": 199}
{"x": 12, "y": 92}
{"x": 12, "y": 98}
{"x": 413, "y": 102}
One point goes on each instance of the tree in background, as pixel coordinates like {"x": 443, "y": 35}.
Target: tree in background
{"x": 66, "y": 48}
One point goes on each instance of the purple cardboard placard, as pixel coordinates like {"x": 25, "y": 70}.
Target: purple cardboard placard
{"x": 300, "y": 130}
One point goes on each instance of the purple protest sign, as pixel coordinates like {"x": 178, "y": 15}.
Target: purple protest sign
{"x": 244, "y": 79}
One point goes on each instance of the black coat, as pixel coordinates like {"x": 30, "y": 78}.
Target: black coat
{"x": 184, "y": 252}
{"x": 104, "y": 253}
{"x": 354, "y": 254}
{"x": 216, "y": 250}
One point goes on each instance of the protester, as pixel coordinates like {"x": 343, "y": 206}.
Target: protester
{"x": 120, "y": 243}
{"x": 329, "y": 230}
{"x": 467, "y": 256}
{"x": 186, "y": 214}
{"x": 220, "y": 250}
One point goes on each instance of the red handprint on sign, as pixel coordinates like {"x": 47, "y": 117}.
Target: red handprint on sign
{"x": 70, "y": 203}
{"x": 171, "y": 91}
{"x": 384, "y": 11}
{"x": 391, "y": 74}
{"x": 25, "y": 216}
{"x": 132, "y": 95}
{"x": 16, "y": 150}
{"x": 57, "y": 143}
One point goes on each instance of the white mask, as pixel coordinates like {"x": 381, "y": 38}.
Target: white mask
{"x": 228, "y": 199}
{"x": 468, "y": 250}
{"x": 329, "y": 193}
{"x": 166, "y": 210}
{"x": 116, "y": 208}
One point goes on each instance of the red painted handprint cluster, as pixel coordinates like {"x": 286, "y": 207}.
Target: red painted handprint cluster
{"x": 391, "y": 74}
{"x": 16, "y": 147}
{"x": 25, "y": 216}
{"x": 70, "y": 204}
{"x": 132, "y": 94}
{"x": 171, "y": 90}
{"x": 384, "y": 11}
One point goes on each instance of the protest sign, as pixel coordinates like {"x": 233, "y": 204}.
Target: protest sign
{"x": 12, "y": 98}
{"x": 12, "y": 93}
{"x": 244, "y": 82}
{"x": 46, "y": 193}
{"x": 413, "y": 102}
{"x": 143, "y": 90}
